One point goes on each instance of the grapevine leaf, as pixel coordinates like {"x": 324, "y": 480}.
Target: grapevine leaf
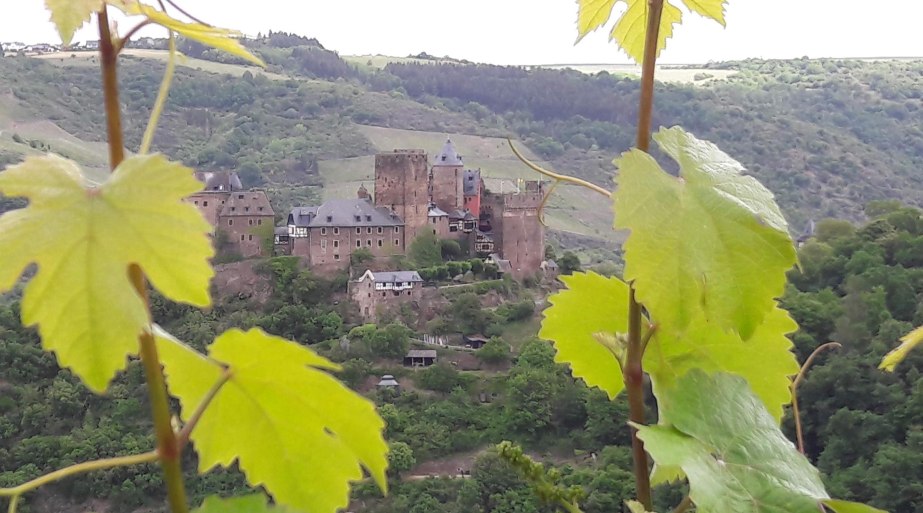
{"x": 849, "y": 507}
{"x": 591, "y": 305}
{"x": 83, "y": 239}
{"x": 219, "y": 38}
{"x": 714, "y": 9}
{"x": 592, "y": 14}
{"x": 897, "y": 355}
{"x": 735, "y": 456}
{"x": 70, "y": 15}
{"x": 636, "y": 507}
{"x": 253, "y": 503}
{"x": 280, "y": 416}
{"x": 731, "y": 449}
{"x": 710, "y": 239}
{"x": 631, "y": 27}
{"x": 765, "y": 360}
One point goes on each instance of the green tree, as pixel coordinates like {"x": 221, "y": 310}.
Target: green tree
{"x": 400, "y": 458}
{"x": 425, "y": 250}
{"x": 569, "y": 263}
{"x": 495, "y": 351}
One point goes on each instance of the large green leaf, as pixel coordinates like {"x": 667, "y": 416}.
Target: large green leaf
{"x": 849, "y": 507}
{"x": 897, "y": 355}
{"x": 70, "y": 15}
{"x": 765, "y": 359}
{"x": 731, "y": 450}
{"x": 592, "y": 306}
{"x": 84, "y": 238}
{"x": 631, "y": 27}
{"x": 709, "y": 240}
{"x": 292, "y": 427}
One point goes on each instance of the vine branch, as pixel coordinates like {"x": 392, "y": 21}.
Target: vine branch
{"x": 557, "y": 176}
{"x": 799, "y": 435}
{"x": 161, "y": 100}
{"x": 168, "y": 450}
{"x": 634, "y": 370}
{"x": 79, "y": 468}
{"x": 182, "y": 438}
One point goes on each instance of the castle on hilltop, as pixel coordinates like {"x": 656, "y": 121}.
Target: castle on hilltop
{"x": 412, "y": 196}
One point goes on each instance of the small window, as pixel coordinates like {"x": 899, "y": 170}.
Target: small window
{"x": 241, "y": 237}
{"x": 230, "y": 222}
{"x": 336, "y": 243}
{"x": 197, "y": 202}
{"x": 233, "y": 209}
{"x": 240, "y": 196}
{"x": 397, "y": 242}
{"x": 336, "y": 257}
{"x": 358, "y": 243}
{"x": 204, "y": 203}
{"x": 259, "y": 208}
{"x": 259, "y": 222}
{"x": 358, "y": 218}
{"x": 397, "y": 229}
{"x": 249, "y": 237}
{"x": 358, "y": 230}
{"x": 368, "y": 218}
{"x": 336, "y": 231}
{"x": 368, "y": 230}
{"x": 329, "y": 219}
{"x": 250, "y": 222}
{"x": 379, "y": 243}
{"x": 323, "y": 243}
{"x": 246, "y": 209}
{"x": 379, "y": 229}
{"x": 368, "y": 242}
{"x": 222, "y": 202}
{"x": 323, "y": 231}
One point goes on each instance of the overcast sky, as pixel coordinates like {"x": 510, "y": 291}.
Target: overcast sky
{"x": 542, "y": 31}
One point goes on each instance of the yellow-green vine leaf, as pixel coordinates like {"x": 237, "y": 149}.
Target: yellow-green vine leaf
{"x": 219, "y": 38}
{"x": 731, "y": 450}
{"x": 710, "y": 240}
{"x": 253, "y": 503}
{"x": 897, "y": 355}
{"x": 70, "y": 15}
{"x": 286, "y": 421}
{"x": 636, "y": 507}
{"x": 83, "y": 239}
{"x": 850, "y": 507}
{"x": 590, "y": 305}
{"x": 631, "y": 27}
{"x": 765, "y": 359}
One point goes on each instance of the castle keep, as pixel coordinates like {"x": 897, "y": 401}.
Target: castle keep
{"x": 242, "y": 220}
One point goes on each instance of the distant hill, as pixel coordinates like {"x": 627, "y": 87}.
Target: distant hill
{"x": 826, "y": 136}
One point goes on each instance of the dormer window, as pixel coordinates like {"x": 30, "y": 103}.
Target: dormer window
{"x": 443, "y": 158}
{"x": 240, "y": 196}
{"x": 368, "y": 218}
{"x": 329, "y": 219}
{"x": 259, "y": 208}
{"x": 246, "y": 209}
{"x": 358, "y": 218}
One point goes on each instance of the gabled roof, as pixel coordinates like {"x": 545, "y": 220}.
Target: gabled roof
{"x": 471, "y": 180}
{"x": 249, "y": 203}
{"x": 344, "y": 213}
{"x": 393, "y": 277}
{"x": 421, "y": 353}
{"x": 448, "y": 156}
{"x": 462, "y": 215}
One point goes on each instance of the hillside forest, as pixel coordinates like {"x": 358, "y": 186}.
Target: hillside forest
{"x": 838, "y": 142}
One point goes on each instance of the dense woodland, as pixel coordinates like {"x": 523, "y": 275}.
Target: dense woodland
{"x": 859, "y": 285}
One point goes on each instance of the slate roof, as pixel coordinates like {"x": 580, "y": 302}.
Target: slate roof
{"x": 471, "y": 179}
{"x": 461, "y": 215}
{"x": 397, "y": 277}
{"x": 421, "y": 353}
{"x": 448, "y": 156}
{"x": 219, "y": 181}
{"x": 343, "y": 213}
{"x": 250, "y": 203}
{"x": 435, "y": 211}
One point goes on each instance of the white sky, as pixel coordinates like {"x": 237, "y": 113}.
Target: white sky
{"x": 541, "y": 31}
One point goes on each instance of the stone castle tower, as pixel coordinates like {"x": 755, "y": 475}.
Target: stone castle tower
{"x": 447, "y": 180}
{"x": 517, "y": 231}
{"x": 402, "y": 185}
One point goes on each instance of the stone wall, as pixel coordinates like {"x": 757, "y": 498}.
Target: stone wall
{"x": 402, "y": 184}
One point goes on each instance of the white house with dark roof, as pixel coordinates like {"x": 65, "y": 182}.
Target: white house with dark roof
{"x": 377, "y": 293}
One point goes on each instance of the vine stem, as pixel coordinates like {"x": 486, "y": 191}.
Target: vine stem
{"x": 168, "y": 449}
{"x": 79, "y": 468}
{"x": 183, "y": 436}
{"x": 557, "y": 176}
{"x": 799, "y": 435}
{"x": 161, "y": 100}
{"x": 634, "y": 371}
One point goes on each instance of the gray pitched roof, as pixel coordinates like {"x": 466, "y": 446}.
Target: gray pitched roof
{"x": 435, "y": 211}
{"x": 448, "y": 156}
{"x": 344, "y": 213}
{"x": 421, "y": 353}
{"x": 397, "y": 277}
{"x": 471, "y": 179}
{"x": 465, "y": 215}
